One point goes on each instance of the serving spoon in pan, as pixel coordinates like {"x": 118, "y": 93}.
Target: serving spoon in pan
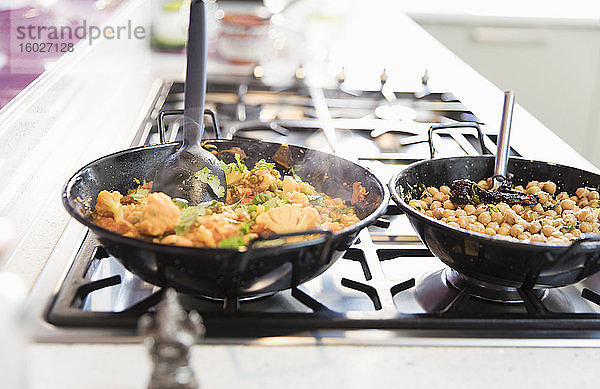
{"x": 467, "y": 192}
{"x": 193, "y": 173}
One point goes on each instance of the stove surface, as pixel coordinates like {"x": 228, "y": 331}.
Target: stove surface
{"x": 388, "y": 280}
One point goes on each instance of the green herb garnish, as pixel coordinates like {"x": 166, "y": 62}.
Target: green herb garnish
{"x": 245, "y": 228}
{"x": 317, "y": 200}
{"x": 548, "y": 206}
{"x": 180, "y": 203}
{"x": 263, "y": 164}
{"x": 226, "y": 168}
{"x": 207, "y": 177}
{"x": 493, "y": 208}
{"x": 188, "y": 217}
{"x": 275, "y": 202}
{"x": 239, "y": 164}
{"x": 232, "y": 242}
{"x": 138, "y": 194}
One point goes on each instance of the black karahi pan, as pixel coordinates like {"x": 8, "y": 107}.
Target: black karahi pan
{"x": 226, "y": 273}
{"x": 493, "y": 260}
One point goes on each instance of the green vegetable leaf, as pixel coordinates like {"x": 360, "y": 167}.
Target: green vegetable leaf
{"x": 207, "y": 177}
{"x": 245, "y": 228}
{"x": 180, "y": 203}
{"x": 226, "y": 168}
{"x": 263, "y": 164}
{"x": 275, "y": 202}
{"x": 232, "y": 242}
{"x": 139, "y": 194}
{"x": 239, "y": 164}
{"x": 294, "y": 175}
{"x": 283, "y": 197}
{"x": 316, "y": 200}
{"x": 188, "y": 217}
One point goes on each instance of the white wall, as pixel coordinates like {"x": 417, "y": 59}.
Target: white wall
{"x": 554, "y": 69}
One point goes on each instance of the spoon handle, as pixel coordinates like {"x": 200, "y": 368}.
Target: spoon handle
{"x": 503, "y": 141}
{"x": 195, "y": 76}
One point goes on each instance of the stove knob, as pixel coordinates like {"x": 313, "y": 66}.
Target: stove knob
{"x": 341, "y": 76}
{"x": 169, "y": 336}
{"x": 383, "y": 78}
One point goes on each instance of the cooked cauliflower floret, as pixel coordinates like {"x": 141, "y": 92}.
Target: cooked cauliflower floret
{"x": 219, "y": 225}
{"x": 177, "y": 240}
{"x": 261, "y": 180}
{"x": 156, "y": 215}
{"x": 290, "y": 185}
{"x": 298, "y": 198}
{"x": 108, "y": 204}
{"x": 307, "y": 188}
{"x": 234, "y": 177}
{"x": 288, "y": 218}
{"x": 201, "y": 236}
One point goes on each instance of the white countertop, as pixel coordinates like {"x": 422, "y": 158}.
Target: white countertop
{"x": 128, "y": 367}
{"x": 577, "y": 13}
{"x": 90, "y": 105}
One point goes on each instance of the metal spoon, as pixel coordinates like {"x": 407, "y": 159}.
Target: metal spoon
{"x": 178, "y": 177}
{"x": 467, "y": 192}
{"x": 503, "y": 141}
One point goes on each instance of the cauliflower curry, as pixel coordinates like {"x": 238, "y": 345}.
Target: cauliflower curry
{"x": 259, "y": 202}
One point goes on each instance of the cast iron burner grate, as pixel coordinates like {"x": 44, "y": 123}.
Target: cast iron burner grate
{"x": 387, "y": 280}
{"x": 364, "y": 298}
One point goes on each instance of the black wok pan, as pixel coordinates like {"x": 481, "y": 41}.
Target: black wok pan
{"x": 226, "y": 273}
{"x": 493, "y": 260}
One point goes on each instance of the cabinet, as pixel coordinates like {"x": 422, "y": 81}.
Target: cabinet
{"x": 554, "y": 69}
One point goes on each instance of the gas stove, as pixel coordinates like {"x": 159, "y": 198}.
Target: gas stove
{"x": 387, "y": 281}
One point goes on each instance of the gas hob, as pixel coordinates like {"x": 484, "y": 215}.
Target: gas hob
{"x": 387, "y": 281}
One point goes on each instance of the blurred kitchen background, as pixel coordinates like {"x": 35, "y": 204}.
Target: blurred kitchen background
{"x": 548, "y": 52}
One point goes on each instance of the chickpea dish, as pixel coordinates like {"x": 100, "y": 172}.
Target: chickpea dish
{"x": 555, "y": 218}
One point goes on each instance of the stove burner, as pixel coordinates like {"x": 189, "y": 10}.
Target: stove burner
{"x": 485, "y": 290}
{"x": 230, "y": 305}
{"x": 447, "y": 290}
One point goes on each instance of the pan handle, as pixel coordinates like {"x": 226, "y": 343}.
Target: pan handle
{"x": 580, "y": 245}
{"x": 179, "y": 112}
{"x": 251, "y": 245}
{"x": 436, "y": 127}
